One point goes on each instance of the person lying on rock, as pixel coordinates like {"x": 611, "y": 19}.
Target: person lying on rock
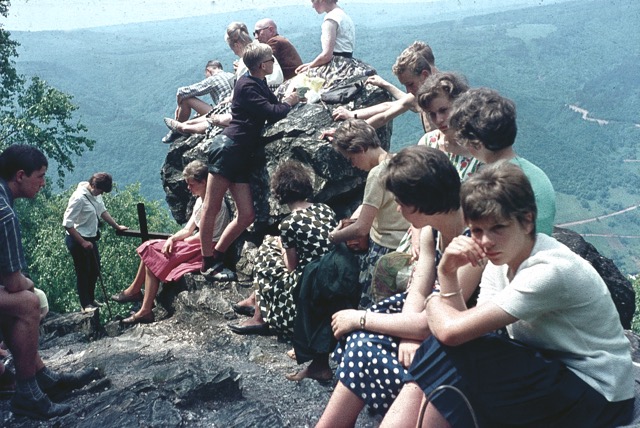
{"x": 280, "y": 261}
{"x": 379, "y": 344}
{"x": 378, "y": 216}
{"x": 22, "y": 172}
{"x": 232, "y": 154}
{"x": 168, "y": 259}
{"x": 566, "y": 361}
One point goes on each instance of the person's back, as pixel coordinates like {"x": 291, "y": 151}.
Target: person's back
{"x": 544, "y": 193}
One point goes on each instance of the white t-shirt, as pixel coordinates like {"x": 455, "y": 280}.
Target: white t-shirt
{"x": 346, "y": 32}
{"x": 83, "y": 211}
{"x": 563, "y": 306}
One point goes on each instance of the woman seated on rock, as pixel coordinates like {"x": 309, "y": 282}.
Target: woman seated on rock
{"x": 304, "y": 237}
{"x": 378, "y": 216}
{"x": 167, "y": 260}
{"x": 566, "y": 361}
{"x": 338, "y": 34}
{"x": 378, "y": 344}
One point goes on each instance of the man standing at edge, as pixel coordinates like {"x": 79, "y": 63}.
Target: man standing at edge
{"x": 266, "y": 31}
{"x": 22, "y": 171}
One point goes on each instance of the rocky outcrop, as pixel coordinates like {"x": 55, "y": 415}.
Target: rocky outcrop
{"x": 297, "y": 136}
{"x": 619, "y": 286}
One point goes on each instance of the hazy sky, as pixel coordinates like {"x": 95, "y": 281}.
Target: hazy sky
{"x": 38, "y": 15}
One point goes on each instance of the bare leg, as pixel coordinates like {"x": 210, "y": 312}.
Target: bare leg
{"x": 20, "y": 321}
{"x": 217, "y": 185}
{"x": 406, "y": 408}
{"x": 138, "y": 281}
{"x": 183, "y": 112}
{"x": 342, "y": 410}
{"x": 249, "y": 301}
{"x": 245, "y": 214}
{"x": 151, "y": 285}
{"x": 256, "y": 319}
{"x": 319, "y": 369}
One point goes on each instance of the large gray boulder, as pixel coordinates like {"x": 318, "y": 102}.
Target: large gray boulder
{"x": 622, "y": 293}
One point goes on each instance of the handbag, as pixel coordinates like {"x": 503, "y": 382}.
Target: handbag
{"x": 342, "y": 94}
{"x": 356, "y": 245}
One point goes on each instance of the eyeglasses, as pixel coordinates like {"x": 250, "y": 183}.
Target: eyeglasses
{"x": 257, "y": 31}
{"x": 272, "y": 59}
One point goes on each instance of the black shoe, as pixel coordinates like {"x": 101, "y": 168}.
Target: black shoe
{"x": 261, "y": 329}
{"x": 67, "y": 382}
{"x": 212, "y": 267}
{"x": 244, "y": 310}
{"x": 43, "y": 408}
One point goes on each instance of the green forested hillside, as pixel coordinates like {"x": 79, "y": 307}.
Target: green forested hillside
{"x": 547, "y": 58}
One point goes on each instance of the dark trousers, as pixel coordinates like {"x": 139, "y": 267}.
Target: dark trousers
{"x": 87, "y": 265}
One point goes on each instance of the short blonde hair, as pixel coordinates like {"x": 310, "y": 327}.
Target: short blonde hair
{"x": 255, "y": 54}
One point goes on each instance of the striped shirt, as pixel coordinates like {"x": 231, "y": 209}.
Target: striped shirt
{"x": 11, "y": 252}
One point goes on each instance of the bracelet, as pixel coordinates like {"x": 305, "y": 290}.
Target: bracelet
{"x": 455, "y": 293}
{"x": 363, "y": 320}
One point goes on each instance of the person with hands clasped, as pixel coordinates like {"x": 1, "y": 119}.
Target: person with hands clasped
{"x": 566, "y": 361}
{"x": 81, "y": 220}
{"x": 379, "y": 344}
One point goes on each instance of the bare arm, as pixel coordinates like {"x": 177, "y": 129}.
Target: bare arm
{"x": 450, "y": 320}
{"x": 87, "y": 245}
{"x": 111, "y": 222}
{"x": 397, "y": 108}
{"x": 328, "y": 42}
{"x": 412, "y": 322}
{"x": 290, "y": 258}
{"x": 365, "y": 215}
{"x": 378, "y": 81}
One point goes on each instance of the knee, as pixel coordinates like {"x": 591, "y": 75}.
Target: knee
{"x": 245, "y": 219}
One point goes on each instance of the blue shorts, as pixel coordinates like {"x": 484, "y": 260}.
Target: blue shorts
{"x": 235, "y": 162}
{"x": 509, "y": 385}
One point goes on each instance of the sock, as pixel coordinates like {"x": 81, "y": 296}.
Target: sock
{"x": 207, "y": 262}
{"x": 29, "y": 388}
{"x": 46, "y": 378}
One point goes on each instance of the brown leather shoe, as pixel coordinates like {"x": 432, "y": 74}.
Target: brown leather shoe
{"x": 139, "y": 319}
{"x": 125, "y": 298}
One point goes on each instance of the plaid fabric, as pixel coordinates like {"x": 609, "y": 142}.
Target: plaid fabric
{"x": 218, "y": 86}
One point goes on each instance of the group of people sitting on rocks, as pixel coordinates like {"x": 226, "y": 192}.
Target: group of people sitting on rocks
{"x": 490, "y": 310}
{"x": 498, "y": 324}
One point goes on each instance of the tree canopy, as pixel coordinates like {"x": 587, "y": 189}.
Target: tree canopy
{"x": 32, "y": 112}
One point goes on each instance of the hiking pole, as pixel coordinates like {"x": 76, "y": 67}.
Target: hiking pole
{"x": 104, "y": 290}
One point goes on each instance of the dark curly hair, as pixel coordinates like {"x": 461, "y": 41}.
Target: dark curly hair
{"x": 291, "y": 182}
